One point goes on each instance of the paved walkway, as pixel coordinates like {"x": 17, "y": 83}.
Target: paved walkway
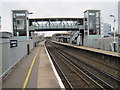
{"x": 41, "y": 74}
{"x": 46, "y": 76}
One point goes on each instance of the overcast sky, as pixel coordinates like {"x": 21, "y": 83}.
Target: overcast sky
{"x": 57, "y": 8}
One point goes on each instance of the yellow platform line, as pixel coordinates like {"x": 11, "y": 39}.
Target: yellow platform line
{"x": 30, "y": 70}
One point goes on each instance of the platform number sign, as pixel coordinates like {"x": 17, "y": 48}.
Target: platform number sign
{"x": 13, "y": 43}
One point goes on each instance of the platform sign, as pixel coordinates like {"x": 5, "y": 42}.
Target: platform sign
{"x": 13, "y": 43}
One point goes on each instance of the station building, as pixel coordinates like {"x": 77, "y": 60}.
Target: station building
{"x": 61, "y": 37}
{"x": 92, "y": 22}
{"x": 19, "y": 22}
{"x": 106, "y": 30}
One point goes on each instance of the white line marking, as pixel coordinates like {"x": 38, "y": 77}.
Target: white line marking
{"x": 56, "y": 74}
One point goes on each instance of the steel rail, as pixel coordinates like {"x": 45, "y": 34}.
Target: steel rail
{"x": 69, "y": 84}
{"x": 106, "y": 85}
{"x": 81, "y": 72}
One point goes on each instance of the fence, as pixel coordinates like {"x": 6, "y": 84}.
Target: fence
{"x": 100, "y": 43}
{"x": 11, "y": 56}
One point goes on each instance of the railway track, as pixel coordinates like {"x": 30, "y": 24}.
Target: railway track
{"x": 73, "y": 68}
{"x": 96, "y": 62}
{"x": 71, "y": 75}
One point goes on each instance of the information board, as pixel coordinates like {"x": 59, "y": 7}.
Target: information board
{"x": 13, "y": 43}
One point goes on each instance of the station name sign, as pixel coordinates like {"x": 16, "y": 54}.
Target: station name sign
{"x": 13, "y": 43}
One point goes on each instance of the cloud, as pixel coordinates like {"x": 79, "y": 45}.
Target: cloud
{"x": 59, "y": 0}
{"x": 56, "y": 9}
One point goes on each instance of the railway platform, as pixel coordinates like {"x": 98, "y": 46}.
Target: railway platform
{"x": 46, "y": 71}
{"x": 35, "y": 70}
{"x": 91, "y": 49}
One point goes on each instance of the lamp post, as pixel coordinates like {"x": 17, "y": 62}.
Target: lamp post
{"x": 114, "y": 30}
{"x": 27, "y": 29}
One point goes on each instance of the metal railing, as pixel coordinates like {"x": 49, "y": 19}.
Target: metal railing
{"x": 56, "y": 27}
